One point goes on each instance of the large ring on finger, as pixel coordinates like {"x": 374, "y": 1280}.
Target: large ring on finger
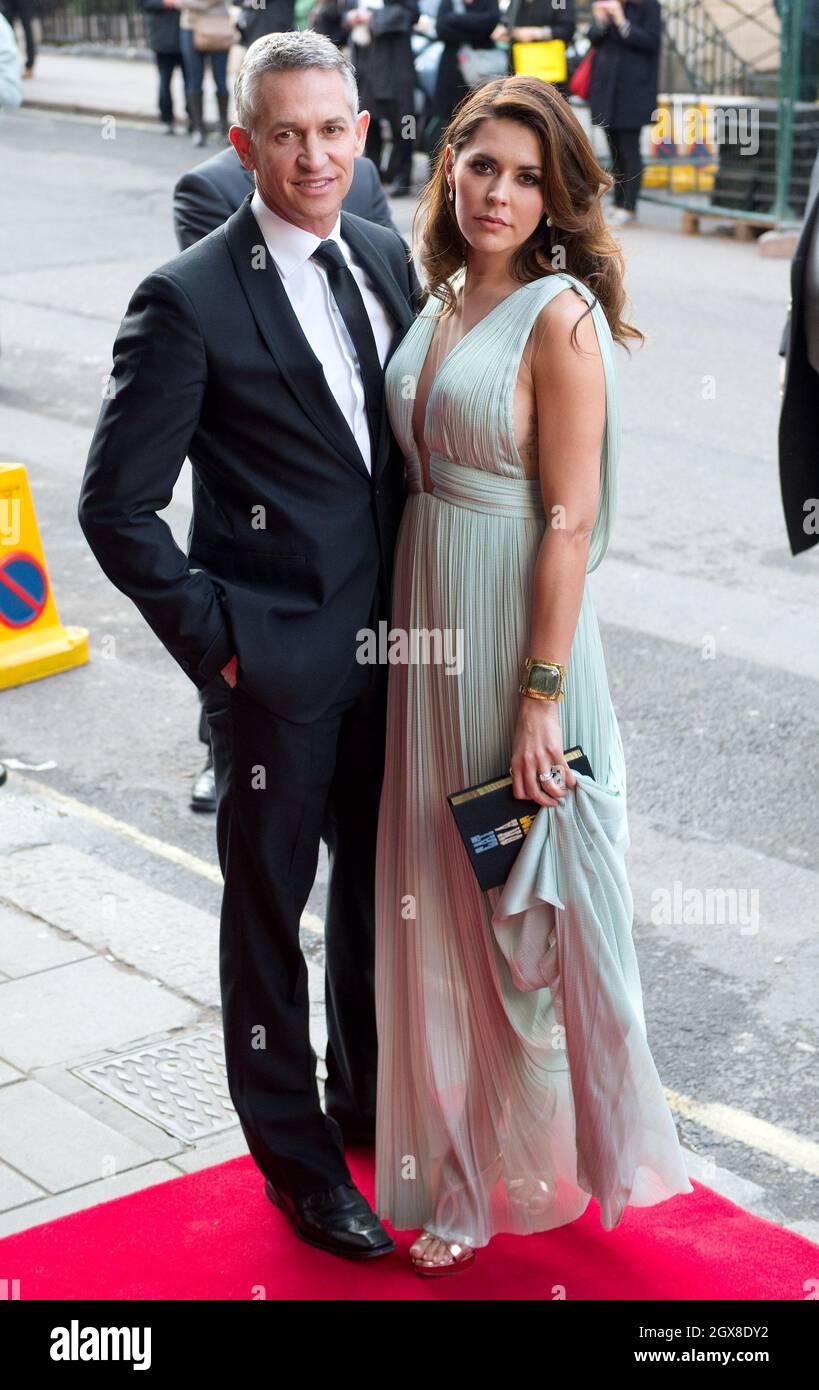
{"x": 544, "y": 777}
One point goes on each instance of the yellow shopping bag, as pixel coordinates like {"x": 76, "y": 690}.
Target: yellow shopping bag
{"x": 545, "y": 58}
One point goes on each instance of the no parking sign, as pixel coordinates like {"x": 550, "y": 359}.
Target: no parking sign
{"x": 33, "y": 641}
{"x": 23, "y": 589}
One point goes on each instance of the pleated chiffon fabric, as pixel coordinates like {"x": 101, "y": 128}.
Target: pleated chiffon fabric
{"x": 515, "y": 1079}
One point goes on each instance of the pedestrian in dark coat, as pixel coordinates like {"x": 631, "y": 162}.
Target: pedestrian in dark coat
{"x": 163, "y": 38}
{"x": 623, "y": 88}
{"x": 474, "y": 27}
{"x": 385, "y": 72}
{"x": 276, "y": 16}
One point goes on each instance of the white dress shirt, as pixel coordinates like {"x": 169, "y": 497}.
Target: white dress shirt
{"x": 308, "y": 290}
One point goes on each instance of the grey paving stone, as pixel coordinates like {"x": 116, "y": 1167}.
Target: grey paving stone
{"x": 77, "y": 1091}
{"x": 28, "y": 944}
{"x": 72, "y": 1013}
{"x": 220, "y": 1149}
{"x": 158, "y": 934}
{"x": 8, "y": 1073}
{"x": 15, "y": 1190}
{"x": 58, "y": 1145}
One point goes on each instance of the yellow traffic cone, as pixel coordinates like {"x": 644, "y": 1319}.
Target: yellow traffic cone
{"x": 33, "y": 641}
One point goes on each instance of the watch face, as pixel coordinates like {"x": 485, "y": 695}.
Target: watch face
{"x": 545, "y": 679}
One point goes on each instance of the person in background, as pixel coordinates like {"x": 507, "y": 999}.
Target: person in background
{"x": 537, "y": 21}
{"x": 274, "y": 17}
{"x": 475, "y": 27}
{"x": 623, "y": 90}
{"x": 799, "y": 350}
{"x": 385, "y": 69}
{"x": 194, "y": 62}
{"x": 163, "y": 38}
{"x": 21, "y": 9}
{"x": 11, "y": 94}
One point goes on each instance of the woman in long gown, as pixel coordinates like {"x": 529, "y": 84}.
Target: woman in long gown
{"x": 514, "y": 1076}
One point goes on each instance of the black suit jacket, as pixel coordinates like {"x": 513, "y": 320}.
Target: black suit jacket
{"x": 211, "y": 362}
{"x": 799, "y": 417}
{"x": 205, "y": 196}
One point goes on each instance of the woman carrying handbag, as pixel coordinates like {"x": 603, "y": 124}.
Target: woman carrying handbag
{"x": 465, "y": 27}
{"x": 206, "y": 30}
{"x": 538, "y": 33}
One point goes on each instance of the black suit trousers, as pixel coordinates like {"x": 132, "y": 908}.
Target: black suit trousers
{"x": 280, "y": 788}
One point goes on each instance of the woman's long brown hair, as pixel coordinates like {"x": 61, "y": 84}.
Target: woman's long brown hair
{"x": 574, "y": 184}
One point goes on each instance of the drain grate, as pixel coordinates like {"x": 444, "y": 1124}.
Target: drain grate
{"x": 180, "y": 1085}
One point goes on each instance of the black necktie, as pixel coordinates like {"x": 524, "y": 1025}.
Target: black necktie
{"x": 353, "y": 310}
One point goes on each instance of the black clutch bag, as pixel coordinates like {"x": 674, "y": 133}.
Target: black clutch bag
{"x": 493, "y": 822}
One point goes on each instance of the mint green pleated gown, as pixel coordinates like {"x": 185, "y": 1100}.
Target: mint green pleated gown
{"x": 515, "y": 1078}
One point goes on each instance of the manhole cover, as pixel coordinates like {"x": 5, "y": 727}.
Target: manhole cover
{"x": 179, "y": 1085}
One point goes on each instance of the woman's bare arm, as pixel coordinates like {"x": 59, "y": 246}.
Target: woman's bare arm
{"x": 570, "y": 393}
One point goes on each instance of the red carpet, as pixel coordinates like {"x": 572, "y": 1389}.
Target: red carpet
{"x": 214, "y": 1235}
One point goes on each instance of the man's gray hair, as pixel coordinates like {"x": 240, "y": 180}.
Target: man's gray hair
{"x": 286, "y": 52}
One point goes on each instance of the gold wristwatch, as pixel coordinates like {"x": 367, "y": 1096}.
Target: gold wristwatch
{"x": 543, "y": 680}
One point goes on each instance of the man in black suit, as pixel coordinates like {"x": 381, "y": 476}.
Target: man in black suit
{"x": 259, "y": 354}
{"x": 204, "y": 198}
{"x": 799, "y": 418}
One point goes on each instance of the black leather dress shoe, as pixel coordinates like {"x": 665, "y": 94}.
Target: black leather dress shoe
{"x": 203, "y": 796}
{"x": 339, "y": 1220}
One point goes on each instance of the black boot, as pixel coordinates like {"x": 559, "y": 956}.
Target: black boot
{"x": 196, "y": 118}
{"x": 224, "y": 124}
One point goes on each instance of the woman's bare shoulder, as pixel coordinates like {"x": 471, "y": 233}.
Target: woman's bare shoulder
{"x": 555, "y": 323}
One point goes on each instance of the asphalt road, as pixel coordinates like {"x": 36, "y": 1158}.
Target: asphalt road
{"x": 710, "y": 628}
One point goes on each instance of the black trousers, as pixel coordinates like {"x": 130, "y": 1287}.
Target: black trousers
{"x": 281, "y": 787}
{"x": 399, "y": 164}
{"x": 204, "y": 731}
{"x": 21, "y": 9}
{"x": 626, "y": 166}
{"x": 166, "y": 64}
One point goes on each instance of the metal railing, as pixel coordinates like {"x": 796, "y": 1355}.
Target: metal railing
{"x": 700, "y": 55}
{"x": 115, "y": 22}
{"x": 757, "y": 168}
